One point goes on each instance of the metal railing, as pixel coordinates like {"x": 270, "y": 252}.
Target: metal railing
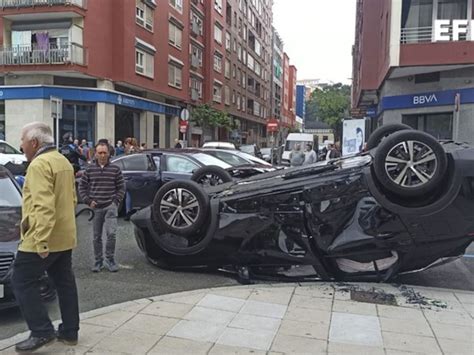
{"x": 32, "y": 3}
{"x": 31, "y": 55}
{"x": 423, "y": 34}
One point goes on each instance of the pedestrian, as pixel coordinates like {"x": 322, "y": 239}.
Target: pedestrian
{"x": 119, "y": 149}
{"x": 310, "y": 155}
{"x": 71, "y": 151}
{"x": 296, "y": 156}
{"x": 333, "y": 152}
{"x": 177, "y": 144}
{"x": 48, "y": 235}
{"x": 131, "y": 145}
{"x": 102, "y": 189}
{"x": 85, "y": 152}
{"x": 143, "y": 147}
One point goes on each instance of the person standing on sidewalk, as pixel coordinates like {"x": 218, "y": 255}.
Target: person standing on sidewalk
{"x": 48, "y": 235}
{"x": 102, "y": 188}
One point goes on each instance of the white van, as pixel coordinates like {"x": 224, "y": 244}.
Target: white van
{"x": 298, "y": 138}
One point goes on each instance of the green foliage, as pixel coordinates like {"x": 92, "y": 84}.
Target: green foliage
{"x": 330, "y": 104}
{"x": 205, "y": 115}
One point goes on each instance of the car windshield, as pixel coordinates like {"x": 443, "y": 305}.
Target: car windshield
{"x": 253, "y": 158}
{"x": 9, "y": 194}
{"x": 7, "y": 149}
{"x": 206, "y": 159}
{"x": 250, "y": 149}
{"x": 290, "y": 145}
{"x": 266, "y": 151}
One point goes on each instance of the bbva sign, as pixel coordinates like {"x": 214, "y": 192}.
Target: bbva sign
{"x": 449, "y": 30}
{"x": 424, "y": 99}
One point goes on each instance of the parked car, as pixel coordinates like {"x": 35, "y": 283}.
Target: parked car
{"x": 8, "y": 154}
{"x": 10, "y": 217}
{"x": 403, "y": 206}
{"x": 220, "y": 145}
{"x": 146, "y": 172}
{"x": 251, "y": 149}
{"x": 237, "y": 158}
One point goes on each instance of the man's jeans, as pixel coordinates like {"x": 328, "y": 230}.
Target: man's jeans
{"x": 27, "y": 270}
{"x": 105, "y": 219}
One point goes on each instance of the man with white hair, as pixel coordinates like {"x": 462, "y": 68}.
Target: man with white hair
{"x": 48, "y": 235}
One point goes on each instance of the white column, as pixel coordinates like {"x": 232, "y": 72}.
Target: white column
{"x": 105, "y": 122}
{"x": 149, "y": 129}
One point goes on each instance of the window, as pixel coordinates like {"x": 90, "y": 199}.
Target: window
{"x": 217, "y": 62}
{"x": 227, "y": 95}
{"x": 177, "y": 164}
{"x": 174, "y": 75}
{"x": 218, "y": 6}
{"x": 196, "y": 56}
{"x": 196, "y": 87}
{"x": 227, "y": 41}
{"x": 144, "y": 63}
{"x": 175, "y": 35}
{"x": 177, "y": 4}
{"x": 7, "y": 149}
{"x": 139, "y": 61}
{"x": 196, "y": 24}
{"x": 217, "y": 33}
{"x": 136, "y": 162}
{"x": 144, "y": 15}
{"x": 217, "y": 92}
{"x": 439, "y": 125}
{"x": 227, "y": 69}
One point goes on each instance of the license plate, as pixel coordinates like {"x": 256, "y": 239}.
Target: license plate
{"x": 2, "y": 294}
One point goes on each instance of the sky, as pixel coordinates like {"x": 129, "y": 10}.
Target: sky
{"x": 318, "y": 36}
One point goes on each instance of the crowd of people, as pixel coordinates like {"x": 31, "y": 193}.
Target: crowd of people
{"x": 299, "y": 157}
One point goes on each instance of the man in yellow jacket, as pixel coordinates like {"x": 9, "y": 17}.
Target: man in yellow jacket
{"x": 48, "y": 235}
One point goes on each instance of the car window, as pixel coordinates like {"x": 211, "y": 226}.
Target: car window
{"x": 230, "y": 158}
{"x": 7, "y": 149}
{"x": 136, "y": 162}
{"x": 9, "y": 194}
{"x": 206, "y": 159}
{"x": 177, "y": 164}
{"x": 253, "y": 158}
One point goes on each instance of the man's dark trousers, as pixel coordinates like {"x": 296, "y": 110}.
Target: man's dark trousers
{"x": 27, "y": 270}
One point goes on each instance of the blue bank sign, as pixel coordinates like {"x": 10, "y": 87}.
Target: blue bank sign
{"x": 438, "y": 98}
{"x": 85, "y": 95}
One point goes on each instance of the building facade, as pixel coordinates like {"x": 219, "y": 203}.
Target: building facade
{"x": 402, "y": 73}
{"x": 128, "y": 68}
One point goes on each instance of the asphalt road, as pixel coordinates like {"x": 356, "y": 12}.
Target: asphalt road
{"x": 138, "y": 279}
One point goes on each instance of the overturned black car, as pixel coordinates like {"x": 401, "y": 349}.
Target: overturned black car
{"x": 404, "y": 205}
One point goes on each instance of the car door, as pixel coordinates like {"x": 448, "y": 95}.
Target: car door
{"x": 141, "y": 178}
{"x": 174, "y": 166}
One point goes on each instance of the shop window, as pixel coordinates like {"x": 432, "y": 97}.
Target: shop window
{"x": 79, "y": 120}
{"x": 439, "y": 125}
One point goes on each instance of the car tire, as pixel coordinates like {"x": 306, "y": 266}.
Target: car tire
{"x": 410, "y": 163}
{"x": 180, "y": 207}
{"x": 382, "y": 132}
{"x": 211, "y": 175}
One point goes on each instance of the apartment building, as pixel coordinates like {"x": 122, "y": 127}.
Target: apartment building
{"x": 403, "y": 73}
{"x": 128, "y": 68}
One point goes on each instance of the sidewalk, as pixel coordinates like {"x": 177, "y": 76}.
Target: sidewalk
{"x": 315, "y": 318}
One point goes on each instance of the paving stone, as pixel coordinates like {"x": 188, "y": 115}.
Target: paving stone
{"x": 465, "y": 297}
{"x": 274, "y": 295}
{"x": 400, "y": 352}
{"x": 341, "y": 348}
{"x": 113, "y": 319}
{"x": 264, "y": 309}
{"x": 354, "y": 307}
{"x": 304, "y": 329}
{"x": 218, "y": 349}
{"x": 250, "y": 322}
{"x": 454, "y": 332}
{"x": 322, "y": 304}
{"x": 413, "y": 343}
{"x": 261, "y": 340}
{"x": 177, "y": 346}
{"x": 235, "y": 293}
{"x": 197, "y": 330}
{"x": 167, "y": 309}
{"x": 103, "y": 352}
{"x": 298, "y": 345}
{"x": 355, "y": 329}
{"x": 90, "y": 335}
{"x": 308, "y": 315}
{"x": 128, "y": 341}
{"x": 448, "y": 317}
{"x": 210, "y": 315}
{"x": 395, "y": 312}
{"x": 450, "y": 346}
{"x": 222, "y": 303}
{"x": 135, "y": 307}
{"x": 414, "y": 327}
{"x": 150, "y": 324}
{"x": 315, "y": 291}
{"x": 192, "y": 298}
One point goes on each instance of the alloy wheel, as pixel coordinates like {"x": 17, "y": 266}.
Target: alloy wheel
{"x": 210, "y": 180}
{"x": 411, "y": 164}
{"x": 179, "y": 208}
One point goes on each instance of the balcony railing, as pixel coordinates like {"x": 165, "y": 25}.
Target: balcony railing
{"x": 30, "y": 55}
{"x": 423, "y": 34}
{"x": 33, "y": 3}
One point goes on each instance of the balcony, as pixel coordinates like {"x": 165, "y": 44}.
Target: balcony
{"x": 5, "y": 4}
{"x": 423, "y": 35}
{"x": 31, "y": 55}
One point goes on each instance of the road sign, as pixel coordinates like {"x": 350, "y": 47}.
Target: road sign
{"x": 272, "y": 125}
{"x": 183, "y": 126}
{"x": 184, "y": 115}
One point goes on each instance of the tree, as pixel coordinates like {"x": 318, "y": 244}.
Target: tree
{"x": 330, "y": 105}
{"x": 206, "y": 116}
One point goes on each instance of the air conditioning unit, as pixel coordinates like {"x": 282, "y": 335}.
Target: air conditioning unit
{"x": 194, "y": 61}
{"x": 194, "y": 94}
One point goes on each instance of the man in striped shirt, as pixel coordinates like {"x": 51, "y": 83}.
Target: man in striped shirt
{"x": 102, "y": 188}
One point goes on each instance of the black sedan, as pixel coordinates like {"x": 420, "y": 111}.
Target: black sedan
{"x": 405, "y": 205}
{"x": 10, "y": 217}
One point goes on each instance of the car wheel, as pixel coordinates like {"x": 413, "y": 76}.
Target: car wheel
{"x": 382, "y": 132}
{"x": 211, "y": 175}
{"x": 410, "y": 163}
{"x": 180, "y": 207}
